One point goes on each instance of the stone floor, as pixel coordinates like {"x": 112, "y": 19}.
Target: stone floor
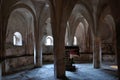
{"x": 83, "y": 72}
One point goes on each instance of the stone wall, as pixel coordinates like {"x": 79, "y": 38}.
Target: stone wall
{"x": 47, "y": 49}
{"x": 19, "y": 63}
{"x": 86, "y": 58}
{"x": 17, "y": 58}
{"x": 107, "y": 56}
{"x": 48, "y": 56}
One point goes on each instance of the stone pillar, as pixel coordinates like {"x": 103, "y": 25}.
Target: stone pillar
{"x": 38, "y": 54}
{"x": 70, "y": 40}
{"x": 97, "y": 53}
{"x": 96, "y": 40}
{"x": 118, "y": 61}
{"x": 118, "y": 45}
{"x": 1, "y": 43}
{"x": 38, "y": 43}
{"x": 60, "y": 13}
{"x": 59, "y": 54}
{"x": 58, "y": 30}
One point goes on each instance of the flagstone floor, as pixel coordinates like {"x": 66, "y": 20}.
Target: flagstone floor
{"x": 83, "y": 72}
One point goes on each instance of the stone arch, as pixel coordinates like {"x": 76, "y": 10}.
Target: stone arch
{"x": 87, "y": 14}
{"x": 110, "y": 21}
{"x": 44, "y": 26}
{"x": 78, "y": 15}
{"x": 23, "y": 5}
{"x": 106, "y": 16}
{"x": 47, "y": 29}
{"x": 107, "y": 33}
{"x": 44, "y": 21}
{"x": 20, "y": 22}
{"x": 47, "y": 34}
{"x": 82, "y": 33}
{"x": 25, "y": 16}
{"x": 28, "y": 5}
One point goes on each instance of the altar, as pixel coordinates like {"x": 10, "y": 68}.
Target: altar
{"x": 70, "y": 53}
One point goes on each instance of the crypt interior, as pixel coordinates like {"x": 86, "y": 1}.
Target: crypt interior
{"x": 59, "y": 39}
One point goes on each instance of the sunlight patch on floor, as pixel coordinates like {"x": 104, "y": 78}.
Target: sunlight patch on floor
{"x": 114, "y": 66}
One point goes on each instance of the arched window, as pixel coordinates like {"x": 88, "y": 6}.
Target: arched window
{"x": 49, "y": 40}
{"x": 75, "y": 41}
{"x": 17, "y": 39}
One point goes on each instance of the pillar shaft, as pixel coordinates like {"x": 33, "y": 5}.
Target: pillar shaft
{"x": 1, "y": 42}
{"x": 70, "y": 40}
{"x": 59, "y": 54}
{"x": 118, "y": 61}
{"x": 60, "y": 13}
{"x": 59, "y": 50}
{"x": 118, "y": 45}
{"x": 38, "y": 43}
{"x": 97, "y": 53}
{"x": 38, "y": 55}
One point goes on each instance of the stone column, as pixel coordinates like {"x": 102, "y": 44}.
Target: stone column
{"x": 97, "y": 53}
{"x": 118, "y": 61}
{"x": 58, "y": 30}
{"x": 1, "y": 43}
{"x": 38, "y": 43}
{"x": 38, "y": 54}
{"x": 70, "y": 40}
{"x": 115, "y": 7}
{"x": 118, "y": 45}
{"x": 96, "y": 40}
{"x": 38, "y": 46}
{"x": 59, "y": 54}
{"x": 60, "y": 12}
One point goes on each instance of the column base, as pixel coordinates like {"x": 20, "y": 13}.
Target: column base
{"x": 38, "y": 66}
{"x": 97, "y": 66}
{"x": 62, "y": 78}
{"x": 38, "y": 63}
